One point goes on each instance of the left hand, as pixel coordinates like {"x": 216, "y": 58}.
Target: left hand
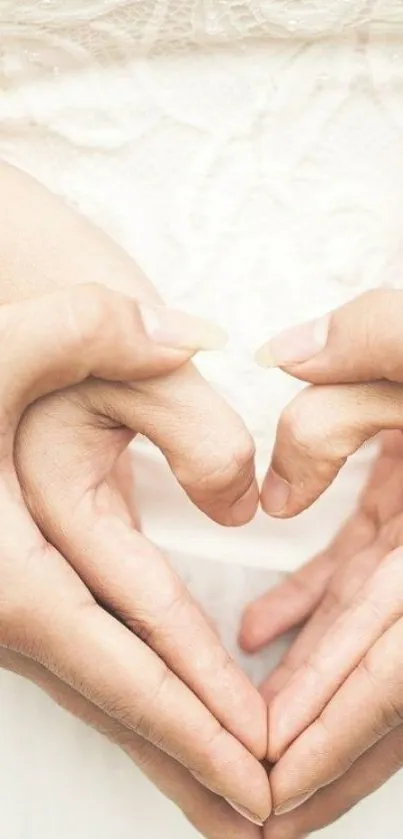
{"x": 67, "y": 453}
{"x": 342, "y": 709}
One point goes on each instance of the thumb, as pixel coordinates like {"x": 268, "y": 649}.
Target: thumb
{"x": 360, "y": 341}
{"x": 61, "y": 339}
{"x": 316, "y": 434}
{"x": 205, "y": 443}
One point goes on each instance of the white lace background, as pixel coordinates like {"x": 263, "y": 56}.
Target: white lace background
{"x": 249, "y": 154}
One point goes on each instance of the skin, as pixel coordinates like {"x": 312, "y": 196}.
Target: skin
{"x": 129, "y": 604}
{"x": 209, "y": 812}
{"x": 335, "y": 702}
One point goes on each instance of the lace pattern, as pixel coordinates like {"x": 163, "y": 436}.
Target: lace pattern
{"x": 54, "y": 35}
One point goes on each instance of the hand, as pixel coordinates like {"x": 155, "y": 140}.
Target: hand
{"x": 196, "y": 704}
{"x": 47, "y": 613}
{"x": 209, "y": 814}
{"x": 315, "y": 595}
{"x": 345, "y": 695}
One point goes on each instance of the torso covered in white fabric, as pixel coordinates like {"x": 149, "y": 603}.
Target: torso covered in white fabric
{"x": 249, "y": 154}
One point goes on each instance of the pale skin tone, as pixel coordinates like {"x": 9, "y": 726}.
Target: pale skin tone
{"x": 90, "y": 483}
{"x": 93, "y": 578}
{"x": 335, "y": 701}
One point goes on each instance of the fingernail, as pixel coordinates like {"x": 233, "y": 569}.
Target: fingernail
{"x": 245, "y": 813}
{"x": 180, "y": 330}
{"x": 292, "y": 804}
{"x": 275, "y": 493}
{"x": 293, "y": 346}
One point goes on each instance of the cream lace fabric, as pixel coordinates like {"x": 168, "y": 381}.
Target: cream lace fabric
{"x": 106, "y": 29}
{"x": 249, "y": 154}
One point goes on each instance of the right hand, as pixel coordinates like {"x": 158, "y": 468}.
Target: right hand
{"x": 313, "y": 598}
{"x": 183, "y": 694}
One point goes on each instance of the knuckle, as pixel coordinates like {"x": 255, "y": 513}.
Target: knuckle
{"x": 298, "y": 584}
{"x": 391, "y": 715}
{"x": 317, "y": 428}
{"x": 316, "y": 666}
{"x": 335, "y": 598}
{"x": 299, "y": 422}
{"x": 232, "y": 464}
{"x": 235, "y": 463}
{"x": 368, "y": 671}
{"x": 209, "y": 762}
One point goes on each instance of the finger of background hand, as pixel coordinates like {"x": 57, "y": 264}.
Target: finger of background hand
{"x": 382, "y": 499}
{"x": 374, "y": 608}
{"x": 366, "y": 776}
{"x": 317, "y": 432}
{"x": 101, "y": 659}
{"x": 286, "y": 605}
{"x": 347, "y": 579}
{"x": 364, "y": 710}
{"x": 313, "y": 578}
{"x": 361, "y": 544}
{"x": 62, "y": 338}
{"x": 209, "y": 814}
{"x": 206, "y": 444}
{"x": 360, "y": 341}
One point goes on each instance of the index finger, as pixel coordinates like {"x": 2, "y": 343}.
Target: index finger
{"x": 129, "y": 574}
{"x": 101, "y": 659}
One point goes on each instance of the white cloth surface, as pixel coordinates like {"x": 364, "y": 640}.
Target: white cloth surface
{"x": 249, "y": 154}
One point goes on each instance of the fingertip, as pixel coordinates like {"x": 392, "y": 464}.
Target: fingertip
{"x": 251, "y": 638}
{"x": 246, "y": 641}
{"x": 267, "y": 691}
{"x": 244, "y": 509}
